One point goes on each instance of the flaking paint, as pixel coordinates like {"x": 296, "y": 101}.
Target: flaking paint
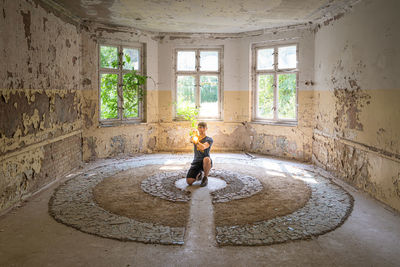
{"x": 356, "y": 133}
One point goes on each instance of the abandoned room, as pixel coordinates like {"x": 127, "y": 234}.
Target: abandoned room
{"x": 199, "y": 133}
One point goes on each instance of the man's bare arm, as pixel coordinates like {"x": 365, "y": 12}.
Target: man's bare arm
{"x": 203, "y": 146}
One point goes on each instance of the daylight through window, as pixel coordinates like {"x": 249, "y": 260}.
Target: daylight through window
{"x": 275, "y": 78}
{"x": 119, "y": 100}
{"x": 198, "y": 82}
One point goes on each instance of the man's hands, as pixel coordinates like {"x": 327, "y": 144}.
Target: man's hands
{"x": 202, "y": 146}
{"x": 195, "y": 139}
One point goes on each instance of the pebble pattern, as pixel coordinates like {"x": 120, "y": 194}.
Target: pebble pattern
{"x": 162, "y": 185}
{"x": 239, "y": 186}
{"x": 73, "y": 204}
{"x": 327, "y": 209}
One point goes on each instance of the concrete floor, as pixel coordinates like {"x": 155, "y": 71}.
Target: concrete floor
{"x": 30, "y": 237}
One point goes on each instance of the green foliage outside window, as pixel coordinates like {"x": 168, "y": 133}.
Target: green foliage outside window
{"x": 190, "y": 114}
{"x": 132, "y": 86}
{"x": 209, "y": 88}
{"x": 287, "y": 96}
{"x": 108, "y": 57}
{"x": 186, "y": 105}
{"x": 185, "y": 95}
{"x": 266, "y": 96}
{"x": 109, "y": 98}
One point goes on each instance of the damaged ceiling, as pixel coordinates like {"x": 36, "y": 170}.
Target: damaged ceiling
{"x": 200, "y": 16}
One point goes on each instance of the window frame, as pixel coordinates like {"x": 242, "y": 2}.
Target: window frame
{"x": 197, "y": 73}
{"x": 274, "y": 72}
{"x": 120, "y": 71}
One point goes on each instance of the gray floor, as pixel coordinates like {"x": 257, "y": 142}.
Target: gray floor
{"x": 30, "y": 237}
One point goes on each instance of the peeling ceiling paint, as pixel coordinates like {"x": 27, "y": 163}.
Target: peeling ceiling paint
{"x": 213, "y": 16}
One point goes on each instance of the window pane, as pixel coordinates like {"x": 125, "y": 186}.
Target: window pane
{"x": 287, "y": 96}
{"x": 265, "y": 96}
{"x": 287, "y": 57}
{"x": 209, "y": 60}
{"x": 108, "y": 95}
{"x": 108, "y": 57}
{"x": 186, "y": 61}
{"x": 131, "y": 99}
{"x": 265, "y": 59}
{"x": 208, "y": 96}
{"x": 185, "y": 94}
{"x": 131, "y": 58}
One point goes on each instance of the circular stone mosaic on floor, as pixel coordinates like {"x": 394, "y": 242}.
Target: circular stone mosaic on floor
{"x": 236, "y": 185}
{"x": 213, "y": 184}
{"x": 297, "y": 203}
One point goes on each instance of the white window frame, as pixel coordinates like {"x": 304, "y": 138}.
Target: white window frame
{"x": 120, "y": 72}
{"x": 275, "y": 72}
{"x": 197, "y": 73}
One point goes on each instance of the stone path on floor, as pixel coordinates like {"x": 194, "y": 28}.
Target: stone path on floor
{"x": 328, "y": 207}
{"x": 200, "y": 233}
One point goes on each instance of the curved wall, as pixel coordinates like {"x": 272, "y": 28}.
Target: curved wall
{"x": 357, "y": 94}
{"x": 234, "y": 132}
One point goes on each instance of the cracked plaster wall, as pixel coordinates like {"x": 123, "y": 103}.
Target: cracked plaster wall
{"x": 236, "y": 132}
{"x": 100, "y": 141}
{"x": 47, "y": 61}
{"x": 357, "y": 129}
{"x": 159, "y": 131}
{"x": 40, "y": 101}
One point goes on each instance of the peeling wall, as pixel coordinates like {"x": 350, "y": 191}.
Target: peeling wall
{"x": 159, "y": 131}
{"x": 40, "y": 101}
{"x": 32, "y": 116}
{"x": 235, "y": 131}
{"x": 100, "y": 141}
{"x": 347, "y": 122}
{"x": 357, "y": 96}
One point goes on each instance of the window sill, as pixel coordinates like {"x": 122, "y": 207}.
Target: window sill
{"x": 105, "y": 124}
{"x": 276, "y": 123}
{"x": 198, "y": 120}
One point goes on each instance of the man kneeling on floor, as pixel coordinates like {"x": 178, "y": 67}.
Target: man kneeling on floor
{"x": 202, "y": 162}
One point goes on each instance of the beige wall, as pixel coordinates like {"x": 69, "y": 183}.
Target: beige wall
{"x": 236, "y": 131}
{"x": 347, "y": 121}
{"x": 160, "y": 131}
{"x": 357, "y": 132}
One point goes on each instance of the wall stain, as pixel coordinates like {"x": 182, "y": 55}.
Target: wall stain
{"x": 152, "y": 143}
{"x": 274, "y": 145}
{"x": 44, "y": 23}
{"x": 89, "y": 108}
{"x": 348, "y": 105}
{"x": 396, "y": 183}
{"x": 238, "y": 138}
{"x": 26, "y": 19}
{"x": 65, "y": 109}
{"x": 336, "y": 17}
{"x": 29, "y": 113}
{"x": 117, "y": 144}
{"x": 86, "y": 82}
{"x": 91, "y": 142}
{"x": 52, "y": 52}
